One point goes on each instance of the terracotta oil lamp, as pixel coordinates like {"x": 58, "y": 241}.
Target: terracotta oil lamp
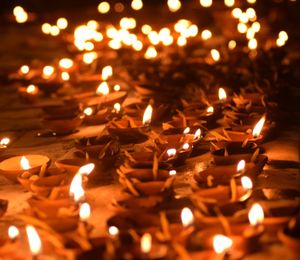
{"x": 9, "y": 244}
{"x": 14, "y": 166}
{"x": 96, "y": 117}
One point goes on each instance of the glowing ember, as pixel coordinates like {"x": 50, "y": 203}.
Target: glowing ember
{"x": 206, "y": 34}
{"x": 137, "y": 4}
{"x": 231, "y": 44}
{"x": 222, "y": 94}
{"x": 252, "y": 44}
{"x": 256, "y": 214}
{"x": 187, "y": 217}
{"x": 146, "y": 243}
{"x": 174, "y": 5}
{"x": 88, "y": 111}
{"x": 117, "y": 87}
{"x": 221, "y": 243}
{"x": 20, "y": 14}
{"x": 89, "y": 57}
{"x": 24, "y": 162}
{"x": 65, "y": 76}
{"x": 13, "y": 232}
{"x": 34, "y": 240}
{"x": 241, "y": 166}
{"x": 147, "y": 115}
{"x": 258, "y": 127}
{"x": 229, "y": 3}
{"x": 62, "y": 23}
{"x": 48, "y": 72}
{"x": 206, "y": 3}
{"x": 85, "y": 212}
{"x": 103, "y": 89}
{"x": 246, "y": 183}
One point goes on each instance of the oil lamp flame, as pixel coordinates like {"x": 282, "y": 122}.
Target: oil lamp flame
{"x": 187, "y": 217}
{"x": 31, "y": 89}
{"x": 47, "y": 71}
{"x": 172, "y": 172}
{"x": 246, "y": 183}
{"x": 13, "y": 232}
{"x": 171, "y": 152}
{"x": 85, "y": 212}
{"x": 86, "y": 169}
{"x": 88, "y": 111}
{"x": 113, "y": 230}
{"x": 186, "y": 130}
{"x": 4, "y": 141}
{"x": 241, "y": 166}
{"x": 185, "y": 146}
{"x": 256, "y": 214}
{"x": 222, "y": 94}
{"x": 147, "y": 115}
{"x": 103, "y": 89}
{"x": 174, "y": 5}
{"x": 258, "y": 127}
{"x": 65, "y": 76}
{"x": 25, "y": 163}
{"x": 117, "y": 87}
{"x": 76, "y": 189}
{"x": 146, "y": 243}
{"x": 150, "y": 53}
{"x": 117, "y": 107}
{"x": 210, "y": 110}
{"x": 197, "y": 134}
{"x": 66, "y": 63}
{"x": 221, "y": 243}
{"x": 107, "y": 72}
{"x": 215, "y": 54}
{"x": 34, "y": 240}
{"x": 24, "y": 69}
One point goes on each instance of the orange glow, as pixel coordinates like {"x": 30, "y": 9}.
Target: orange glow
{"x": 210, "y": 110}
{"x": 206, "y": 34}
{"x": 186, "y": 130}
{"x": 103, "y": 89}
{"x": 117, "y": 107}
{"x": 185, "y": 146}
{"x": 146, "y": 243}
{"x": 34, "y": 240}
{"x": 46, "y": 28}
{"x": 113, "y": 231}
{"x": 146, "y": 29}
{"x": 65, "y": 76}
{"x": 48, "y": 72}
{"x": 231, "y": 44}
{"x": 147, "y": 115}
{"x": 197, "y": 134}
{"x": 258, "y": 127}
{"x": 62, "y": 23}
{"x": 252, "y": 44}
{"x": 107, "y": 72}
{"x": 229, "y": 3}
{"x": 4, "y": 142}
{"x": 256, "y": 214}
{"x": 89, "y": 57}
{"x": 181, "y": 41}
{"x": 171, "y": 152}
{"x": 32, "y": 89}
{"x": 172, "y": 172}
{"x": 117, "y": 87}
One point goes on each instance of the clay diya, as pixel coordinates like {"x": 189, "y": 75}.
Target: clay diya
{"x": 68, "y": 110}
{"x": 221, "y": 174}
{"x": 97, "y": 117}
{"x": 98, "y": 146}
{"x": 9, "y": 245}
{"x": 290, "y": 235}
{"x": 62, "y": 125}
{"x": 233, "y": 153}
{"x": 14, "y": 166}
{"x": 4, "y": 142}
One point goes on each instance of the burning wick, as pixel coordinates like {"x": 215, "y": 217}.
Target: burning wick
{"x": 4, "y": 142}
{"x": 107, "y": 72}
{"x": 103, "y": 89}
{"x": 34, "y": 240}
{"x": 13, "y": 233}
{"x": 246, "y": 183}
{"x": 186, "y": 130}
{"x": 76, "y": 191}
{"x": 256, "y": 214}
{"x": 85, "y": 212}
{"x": 88, "y": 111}
{"x": 241, "y": 166}
{"x": 210, "y": 110}
{"x": 185, "y": 146}
{"x": 32, "y": 89}
{"x": 25, "y": 163}
{"x": 197, "y": 134}
{"x": 146, "y": 243}
{"x": 86, "y": 169}
{"x": 172, "y": 172}
{"x": 117, "y": 107}
{"x": 147, "y": 115}
{"x": 258, "y": 127}
{"x": 187, "y": 217}
{"x": 171, "y": 152}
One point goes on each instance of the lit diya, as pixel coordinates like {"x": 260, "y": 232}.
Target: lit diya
{"x": 4, "y": 142}
{"x": 129, "y": 130}
{"x": 13, "y": 166}
{"x": 29, "y": 94}
{"x": 10, "y": 243}
{"x": 93, "y": 116}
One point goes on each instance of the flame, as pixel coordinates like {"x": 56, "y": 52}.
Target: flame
{"x": 103, "y": 89}
{"x": 246, "y": 183}
{"x": 20, "y": 14}
{"x": 25, "y": 163}
{"x": 4, "y": 141}
{"x": 147, "y": 115}
{"x": 65, "y": 76}
{"x": 150, "y": 53}
{"x": 62, "y": 23}
{"x": 229, "y": 3}
{"x": 146, "y": 243}
{"x": 46, "y": 28}
{"x": 137, "y": 4}
{"x": 86, "y": 169}
{"x": 258, "y": 127}
{"x": 137, "y": 45}
{"x": 283, "y": 35}
{"x": 242, "y": 28}
{"x": 174, "y": 5}
{"x": 113, "y": 231}
{"x": 231, "y": 44}
{"x": 13, "y": 232}
{"x": 103, "y": 7}
{"x": 215, "y": 54}
{"x": 181, "y": 41}
{"x": 171, "y": 152}
{"x": 88, "y": 111}
{"x": 241, "y": 166}
{"x": 54, "y": 31}
{"x": 187, "y": 217}
{"x": 221, "y": 243}
{"x": 31, "y": 89}
{"x": 107, "y": 72}
{"x": 206, "y": 3}
{"x": 117, "y": 107}
{"x": 252, "y": 44}
{"x": 146, "y": 29}
{"x": 185, "y": 146}
{"x": 222, "y": 94}
{"x": 76, "y": 189}
{"x": 210, "y": 110}
{"x": 256, "y": 214}
{"x": 24, "y": 69}
{"x": 66, "y": 63}
{"x": 34, "y": 240}
{"x": 186, "y": 130}
{"x": 206, "y": 34}
{"x": 197, "y": 134}
{"x": 89, "y": 57}
{"x": 47, "y": 71}
{"x": 85, "y": 212}
{"x": 172, "y": 172}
